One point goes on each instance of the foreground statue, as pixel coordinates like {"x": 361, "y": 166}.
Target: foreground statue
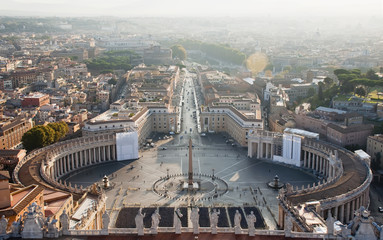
{"x": 33, "y": 223}
{"x": 64, "y": 220}
{"x": 3, "y": 225}
{"x": 105, "y": 220}
{"x": 237, "y": 222}
{"x": 140, "y": 222}
{"x": 214, "y": 220}
{"x": 177, "y": 221}
{"x": 194, "y": 217}
{"x": 251, "y": 219}
{"x": 155, "y": 221}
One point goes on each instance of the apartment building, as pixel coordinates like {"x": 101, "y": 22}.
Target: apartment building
{"x": 343, "y": 133}
{"x": 375, "y": 146}
{"x": 142, "y": 119}
{"x": 228, "y": 119}
{"x": 12, "y": 130}
{"x": 35, "y": 100}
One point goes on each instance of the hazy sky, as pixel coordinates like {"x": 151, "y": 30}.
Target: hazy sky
{"x": 192, "y": 8}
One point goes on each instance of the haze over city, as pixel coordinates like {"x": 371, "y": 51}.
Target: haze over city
{"x": 196, "y": 8}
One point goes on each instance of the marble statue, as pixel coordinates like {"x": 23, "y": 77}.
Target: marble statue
{"x": 139, "y": 219}
{"x": 288, "y": 224}
{"x": 155, "y": 221}
{"x": 194, "y": 217}
{"x": 33, "y": 223}
{"x": 365, "y": 229}
{"x": 214, "y": 220}
{"x": 251, "y": 219}
{"x": 177, "y": 221}
{"x": 52, "y": 230}
{"x": 64, "y": 220}
{"x": 105, "y": 220}
{"x": 237, "y": 222}
{"x": 15, "y": 228}
{"x": 3, "y": 225}
{"x": 330, "y": 224}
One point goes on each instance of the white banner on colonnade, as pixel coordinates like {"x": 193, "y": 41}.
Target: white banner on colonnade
{"x": 127, "y": 145}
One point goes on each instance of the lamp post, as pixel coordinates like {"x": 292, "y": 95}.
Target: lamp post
{"x": 213, "y": 174}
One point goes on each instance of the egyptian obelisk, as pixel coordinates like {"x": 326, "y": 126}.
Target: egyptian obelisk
{"x": 190, "y": 182}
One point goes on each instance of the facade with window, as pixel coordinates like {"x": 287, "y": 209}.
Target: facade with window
{"x": 228, "y": 119}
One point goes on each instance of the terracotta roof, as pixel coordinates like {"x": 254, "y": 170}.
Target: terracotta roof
{"x": 10, "y": 152}
{"x": 4, "y": 175}
{"x": 26, "y": 199}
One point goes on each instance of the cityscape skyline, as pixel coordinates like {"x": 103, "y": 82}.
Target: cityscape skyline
{"x": 198, "y": 8}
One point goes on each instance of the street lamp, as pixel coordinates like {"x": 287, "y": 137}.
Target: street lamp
{"x": 213, "y": 174}
{"x": 167, "y": 172}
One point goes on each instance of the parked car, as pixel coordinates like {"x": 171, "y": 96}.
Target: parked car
{"x": 203, "y": 134}
{"x": 380, "y": 209}
{"x": 164, "y": 148}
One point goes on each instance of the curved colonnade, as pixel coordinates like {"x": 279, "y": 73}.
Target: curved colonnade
{"x": 72, "y": 155}
{"x": 343, "y": 190}
{"x": 344, "y": 178}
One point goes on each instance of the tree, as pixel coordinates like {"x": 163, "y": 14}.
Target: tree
{"x": 311, "y": 92}
{"x": 360, "y": 91}
{"x": 34, "y": 138}
{"x": 328, "y": 81}
{"x": 112, "y": 81}
{"x": 341, "y": 71}
{"x": 41, "y": 136}
{"x": 178, "y": 51}
{"x": 371, "y": 74}
{"x": 320, "y": 91}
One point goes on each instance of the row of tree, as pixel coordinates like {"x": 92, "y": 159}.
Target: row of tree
{"x": 112, "y": 60}
{"x": 349, "y": 80}
{"x": 41, "y": 136}
{"x": 219, "y": 51}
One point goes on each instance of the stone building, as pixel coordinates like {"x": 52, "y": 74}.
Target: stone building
{"x": 12, "y": 130}
{"x": 228, "y": 119}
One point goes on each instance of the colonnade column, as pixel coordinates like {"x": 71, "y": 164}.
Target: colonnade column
{"x": 341, "y": 215}
{"x": 347, "y": 212}
{"x": 304, "y": 159}
{"x": 114, "y": 152}
{"x": 99, "y": 154}
{"x": 352, "y": 207}
{"x": 94, "y": 155}
{"x": 65, "y": 165}
{"x": 336, "y": 212}
{"x": 267, "y": 150}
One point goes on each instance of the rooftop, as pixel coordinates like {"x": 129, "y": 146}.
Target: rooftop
{"x": 302, "y": 133}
